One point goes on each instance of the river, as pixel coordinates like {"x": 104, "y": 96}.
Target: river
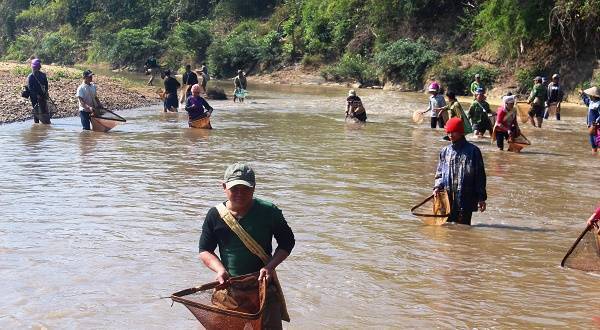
{"x": 97, "y": 227}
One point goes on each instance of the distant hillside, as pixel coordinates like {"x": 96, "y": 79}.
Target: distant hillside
{"x": 369, "y": 41}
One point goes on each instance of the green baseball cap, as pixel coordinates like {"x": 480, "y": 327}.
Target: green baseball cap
{"x": 239, "y": 173}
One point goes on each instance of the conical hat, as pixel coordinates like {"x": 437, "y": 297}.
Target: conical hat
{"x": 593, "y": 91}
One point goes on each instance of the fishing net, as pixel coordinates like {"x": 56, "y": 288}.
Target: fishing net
{"x": 236, "y": 304}
{"x": 434, "y": 210}
{"x": 104, "y": 120}
{"x": 517, "y": 143}
{"x": 522, "y": 112}
{"x": 107, "y": 115}
{"x": 201, "y": 123}
{"x": 418, "y": 117}
{"x": 585, "y": 252}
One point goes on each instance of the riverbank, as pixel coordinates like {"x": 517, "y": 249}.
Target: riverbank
{"x": 115, "y": 94}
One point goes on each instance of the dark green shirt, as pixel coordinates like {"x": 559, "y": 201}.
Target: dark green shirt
{"x": 478, "y": 112}
{"x": 263, "y": 222}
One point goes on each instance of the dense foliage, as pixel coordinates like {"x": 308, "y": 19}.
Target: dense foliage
{"x": 369, "y": 41}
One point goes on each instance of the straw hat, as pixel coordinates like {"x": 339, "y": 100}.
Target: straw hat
{"x": 593, "y": 91}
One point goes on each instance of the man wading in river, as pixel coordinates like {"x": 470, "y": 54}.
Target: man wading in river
{"x": 260, "y": 219}
{"x": 37, "y": 84}
{"x": 461, "y": 172}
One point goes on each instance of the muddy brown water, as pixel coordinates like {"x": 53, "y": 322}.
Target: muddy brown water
{"x": 95, "y": 228}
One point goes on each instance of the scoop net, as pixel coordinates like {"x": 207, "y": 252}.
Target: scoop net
{"x": 107, "y": 115}
{"x": 522, "y": 111}
{"x": 236, "y": 304}
{"x": 418, "y": 117}
{"x": 434, "y": 210}
{"x": 585, "y": 252}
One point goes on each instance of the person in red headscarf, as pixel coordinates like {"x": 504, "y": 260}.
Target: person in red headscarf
{"x": 461, "y": 173}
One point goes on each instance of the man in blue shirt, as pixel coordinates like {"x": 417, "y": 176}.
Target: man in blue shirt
{"x": 461, "y": 172}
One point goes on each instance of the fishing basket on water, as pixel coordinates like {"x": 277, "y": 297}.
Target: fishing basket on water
{"x": 434, "y": 210}
{"x": 418, "y": 117}
{"x": 236, "y": 304}
{"x": 584, "y": 254}
{"x": 104, "y": 120}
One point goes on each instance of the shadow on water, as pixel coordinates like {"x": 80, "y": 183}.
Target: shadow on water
{"x": 516, "y": 228}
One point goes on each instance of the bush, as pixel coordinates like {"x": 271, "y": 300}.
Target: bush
{"x": 187, "y": 43}
{"x": 405, "y": 60}
{"x": 270, "y": 49}
{"x": 132, "y": 46}
{"x": 21, "y": 70}
{"x": 236, "y": 51}
{"x": 450, "y": 74}
{"x": 354, "y": 67}
{"x": 525, "y": 78}
{"x": 503, "y": 25}
{"x": 22, "y": 48}
{"x": 59, "y": 48}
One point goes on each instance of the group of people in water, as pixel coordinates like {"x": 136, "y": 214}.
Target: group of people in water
{"x": 502, "y": 124}
{"x": 88, "y": 103}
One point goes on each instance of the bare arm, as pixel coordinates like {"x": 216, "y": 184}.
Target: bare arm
{"x": 213, "y": 262}
{"x": 87, "y": 107}
{"x": 267, "y": 271}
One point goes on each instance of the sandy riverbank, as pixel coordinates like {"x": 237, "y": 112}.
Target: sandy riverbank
{"x": 63, "y": 83}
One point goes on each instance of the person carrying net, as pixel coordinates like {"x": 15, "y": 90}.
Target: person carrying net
{"x": 240, "y": 226}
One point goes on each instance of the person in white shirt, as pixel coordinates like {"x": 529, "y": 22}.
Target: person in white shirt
{"x": 88, "y": 99}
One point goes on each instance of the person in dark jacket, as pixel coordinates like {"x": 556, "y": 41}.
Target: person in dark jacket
{"x": 555, "y": 97}
{"x": 37, "y": 83}
{"x": 189, "y": 78}
{"x": 171, "y": 87}
{"x": 461, "y": 173}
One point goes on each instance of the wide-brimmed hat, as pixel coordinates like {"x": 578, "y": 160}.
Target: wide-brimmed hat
{"x": 351, "y": 92}
{"x": 593, "y": 91}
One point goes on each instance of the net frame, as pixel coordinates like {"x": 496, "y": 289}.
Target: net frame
{"x": 584, "y": 254}
{"x": 206, "y": 314}
{"x": 516, "y": 144}
{"x": 418, "y": 117}
{"x": 103, "y": 123}
{"x": 522, "y": 112}
{"x": 440, "y": 209}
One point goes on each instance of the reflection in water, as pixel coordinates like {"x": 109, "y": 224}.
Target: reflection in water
{"x": 33, "y": 137}
{"x": 104, "y": 224}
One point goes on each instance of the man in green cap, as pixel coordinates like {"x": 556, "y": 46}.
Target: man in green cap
{"x": 262, "y": 221}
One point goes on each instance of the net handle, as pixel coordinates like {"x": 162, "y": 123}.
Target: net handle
{"x": 412, "y": 210}
{"x": 587, "y": 228}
